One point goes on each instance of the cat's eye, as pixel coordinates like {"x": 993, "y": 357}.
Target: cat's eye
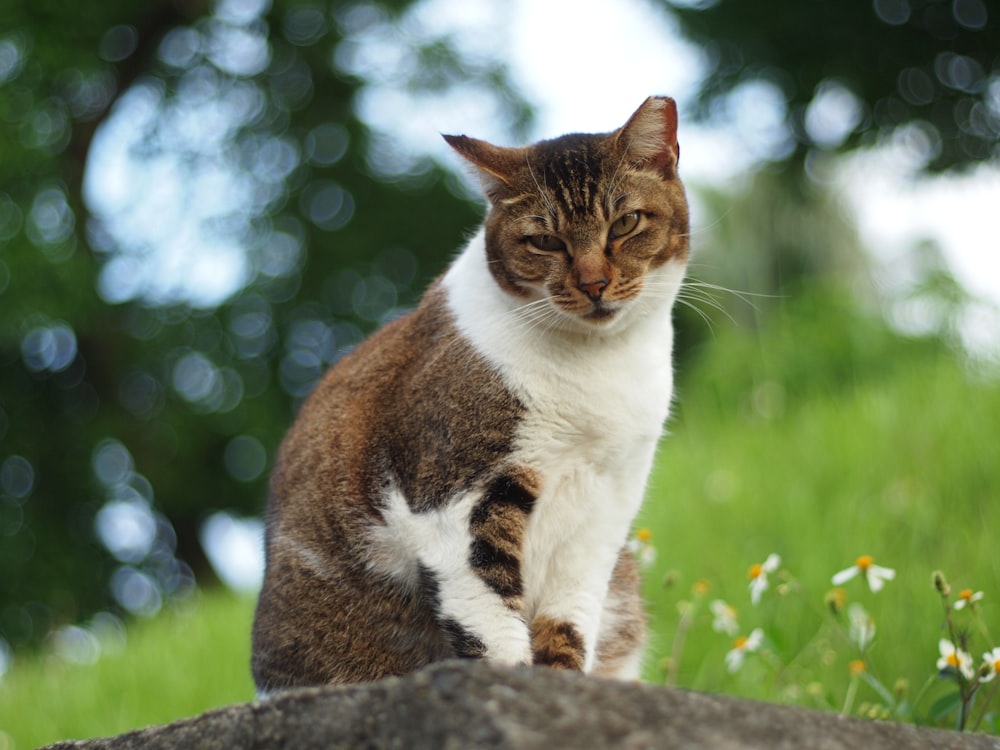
{"x": 547, "y": 242}
{"x": 625, "y": 225}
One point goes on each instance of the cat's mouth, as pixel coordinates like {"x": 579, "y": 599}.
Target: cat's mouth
{"x": 601, "y": 313}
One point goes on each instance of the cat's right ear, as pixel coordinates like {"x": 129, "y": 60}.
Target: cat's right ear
{"x": 650, "y": 135}
{"x": 496, "y": 165}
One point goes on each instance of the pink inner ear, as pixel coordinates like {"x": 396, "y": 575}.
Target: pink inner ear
{"x": 670, "y": 129}
{"x": 651, "y": 133}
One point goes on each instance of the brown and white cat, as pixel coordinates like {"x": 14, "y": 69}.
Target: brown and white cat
{"x": 462, "y": 483}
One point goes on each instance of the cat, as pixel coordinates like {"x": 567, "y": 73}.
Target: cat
{"x": 463, "y": 483}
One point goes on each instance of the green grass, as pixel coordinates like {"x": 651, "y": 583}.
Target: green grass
{"x": 899, "y": 463}
{"x": 179, "y": 664}
{"x": 902, "y": 468}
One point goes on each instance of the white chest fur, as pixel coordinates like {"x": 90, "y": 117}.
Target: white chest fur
{"x": 596, "y": 404}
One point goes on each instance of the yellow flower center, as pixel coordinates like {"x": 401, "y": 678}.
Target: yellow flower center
{"x": 740, "y": 642}
{"x": 864, "y": 562}
{"x": 755, "y": 571}
{"x": 965, "y": 594}
{"x": 644, "y": 535}
{"x": 701, "y": 586}
{"x": 996, "y": 666}
{"x": 856, "y": 667}
{"x": 953, "y": 660}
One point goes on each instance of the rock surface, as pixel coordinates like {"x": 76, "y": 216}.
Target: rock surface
{"x": 462, "y": 705}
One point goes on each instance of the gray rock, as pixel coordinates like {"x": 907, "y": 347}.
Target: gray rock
{"x": 461, "y": 705}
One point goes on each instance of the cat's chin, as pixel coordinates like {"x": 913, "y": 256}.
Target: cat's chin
{"x": 601, "y": 314}
{"x": 601, "y": 319}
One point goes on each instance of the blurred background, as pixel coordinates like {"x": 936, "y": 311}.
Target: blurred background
{"x": 204, "y": 204}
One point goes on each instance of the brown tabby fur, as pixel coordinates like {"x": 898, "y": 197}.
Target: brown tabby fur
{"x": 418, "y": 410}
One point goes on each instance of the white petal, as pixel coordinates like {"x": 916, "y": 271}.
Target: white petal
{"x": 734, "y": 659}
{"x": 772, "y": 562}
{"x": 877, "y": 570}
{"x": 845, "y": 575}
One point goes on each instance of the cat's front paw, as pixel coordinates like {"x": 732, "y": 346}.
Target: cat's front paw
{"x": 511, "y": 651}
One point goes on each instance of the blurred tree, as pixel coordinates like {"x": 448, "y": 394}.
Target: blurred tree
{"x": 850, "y": 73}
{"x": 773, "y": 235}
{"x": 193, "y": 225}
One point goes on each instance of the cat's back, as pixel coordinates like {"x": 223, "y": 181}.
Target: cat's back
{"x": 414, "y": 405}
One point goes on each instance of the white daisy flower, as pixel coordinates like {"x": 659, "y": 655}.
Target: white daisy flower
{"x": 741, "y": 647}
{"x": 724, "y": 617}
{"x": 641, "y": 546}
{"x": 758, "y": 576}
{"x": 992, "y": 660}
{"x": 955, "y": 658}
{"x": 966, "y": 598}
{"x": 861, "y": 628}
{"x": 865, "y": 565}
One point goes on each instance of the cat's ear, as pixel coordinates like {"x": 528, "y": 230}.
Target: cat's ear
{"x": 496, "y": 165}
{"x": 650, "y": 135}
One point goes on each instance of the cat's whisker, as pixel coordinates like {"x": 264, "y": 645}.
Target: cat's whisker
{"x": 531, "y": 309}
{"x": 693, "y": 283}
{"x": 537, "y": 313}
{"x": 710, "y": 226}
{"x": 691, "y": 300}
{"x": 701, "y": 313}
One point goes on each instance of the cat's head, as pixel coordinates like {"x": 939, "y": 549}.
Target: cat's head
{"x": 594, "y": 224}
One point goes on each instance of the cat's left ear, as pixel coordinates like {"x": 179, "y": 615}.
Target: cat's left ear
{"x": 650, "y": 135}
{"x": 496, "y": 165}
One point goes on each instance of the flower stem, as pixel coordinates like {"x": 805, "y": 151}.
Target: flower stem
{"x": 683, "y": 625}
{"x": 985, "y": 704}
{"x": 852, "y": 691}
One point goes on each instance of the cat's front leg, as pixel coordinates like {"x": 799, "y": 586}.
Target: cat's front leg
{"x": 481, "y": 594}
{"x": 468, "y": 554}
{"x": 570, "y": 569}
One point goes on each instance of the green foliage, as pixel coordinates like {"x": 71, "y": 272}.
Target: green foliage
{"x": 926, "y": 64}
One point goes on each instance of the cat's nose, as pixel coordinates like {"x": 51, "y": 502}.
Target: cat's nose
{"x": 593, "y": 289}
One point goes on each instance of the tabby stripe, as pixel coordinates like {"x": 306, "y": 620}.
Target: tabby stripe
{"x": 507, "y": 490}
{"x": 466, "y": 645}
{"x": 429, "y": 586}
{"x": 556, "y": 644}
{"x": 500, "y": 570}
{"x": 497, "y": 526}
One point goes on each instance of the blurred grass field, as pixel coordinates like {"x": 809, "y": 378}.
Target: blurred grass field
{"x": 903, "y": 470}
{"x": 821, "y": 440}
{"x": 188, "y": 659}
